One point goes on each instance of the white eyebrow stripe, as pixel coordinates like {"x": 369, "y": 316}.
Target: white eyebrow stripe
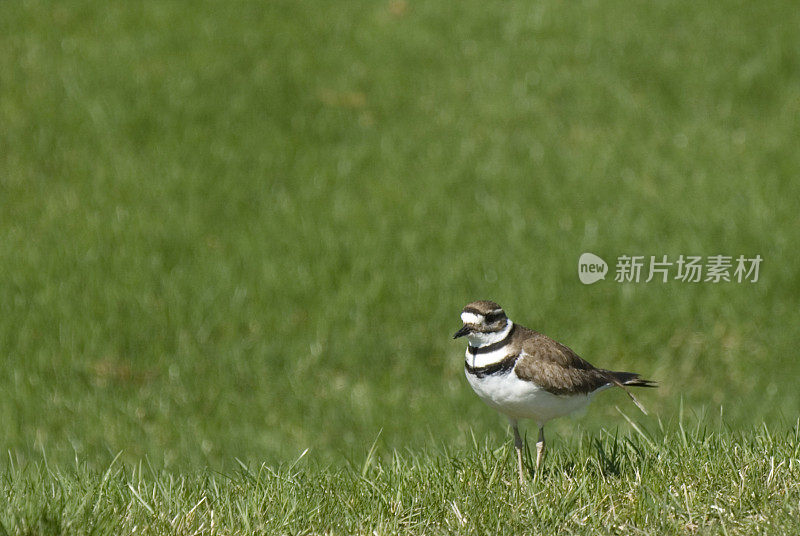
{"x": 471, "y": 318}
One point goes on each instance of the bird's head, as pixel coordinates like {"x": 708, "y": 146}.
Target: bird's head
{"x": 482, "y": 319}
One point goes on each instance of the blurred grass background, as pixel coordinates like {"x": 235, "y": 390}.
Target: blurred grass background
{"x": 241, "y": 229}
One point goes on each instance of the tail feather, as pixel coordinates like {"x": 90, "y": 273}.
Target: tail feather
{"x": 631, "y": 379}
{"x": 624, "y": 380}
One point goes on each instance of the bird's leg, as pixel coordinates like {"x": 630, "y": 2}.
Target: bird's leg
{"x": 540, "y": 448}
{"x": 518, "y": 446}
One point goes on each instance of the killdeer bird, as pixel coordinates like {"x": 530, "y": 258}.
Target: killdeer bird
{"x": 526, "y": 375}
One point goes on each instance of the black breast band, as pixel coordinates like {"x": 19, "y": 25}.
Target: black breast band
{"x": 501, "y": 367}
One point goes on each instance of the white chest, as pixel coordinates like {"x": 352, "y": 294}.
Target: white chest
{"x": 485, "y": 359}
{"x": 519, "y": 399}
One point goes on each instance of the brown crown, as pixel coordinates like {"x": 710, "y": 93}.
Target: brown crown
{"x": 483, "y": 307}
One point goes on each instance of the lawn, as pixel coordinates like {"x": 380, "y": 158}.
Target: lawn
{"x": 694, "y": 480}
{"x": 240, "y": 230}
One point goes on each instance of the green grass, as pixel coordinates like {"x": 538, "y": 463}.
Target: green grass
{"x": 688, "y": 481}
{"x": 240, "y": 230}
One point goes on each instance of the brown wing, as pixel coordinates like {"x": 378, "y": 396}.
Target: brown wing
{"x": 556, "y": 368}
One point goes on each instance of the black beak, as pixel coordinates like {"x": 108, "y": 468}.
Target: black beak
{"x": 465, "y": 329}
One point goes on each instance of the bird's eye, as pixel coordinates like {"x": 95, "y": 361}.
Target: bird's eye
{"x": 492, "y": 317}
